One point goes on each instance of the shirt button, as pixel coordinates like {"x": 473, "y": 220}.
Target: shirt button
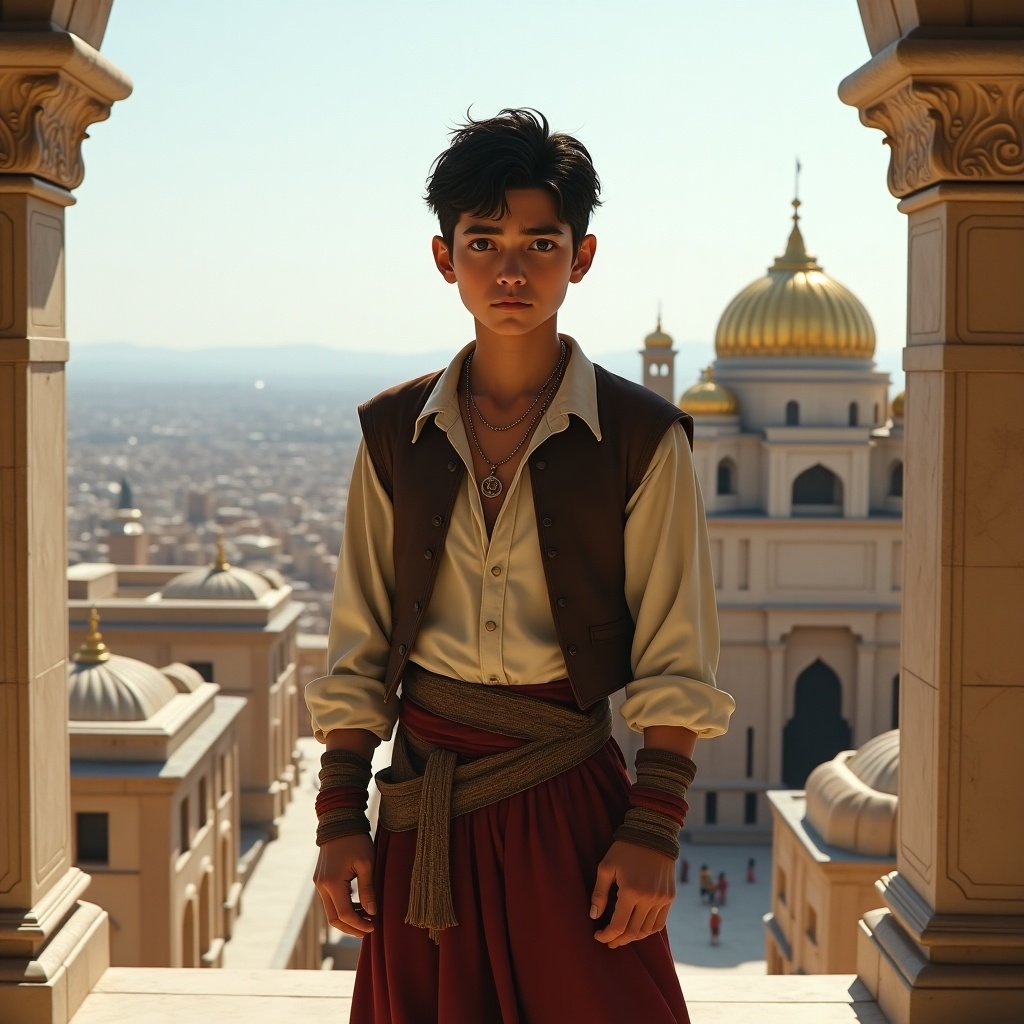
{"x": 573, "y": 650}
{"x": 452, "y": 466}
{"x": 495, "y": 570}
{"x": 562, "y": 602}
{"x": 552, "y": 552}
{"x": 402, "y": 648}
{"x": 490, "y": 625}
{"x": 548, "y": 521}
{"x": 428, "y": 554}
{"x": 437, "y": 520}
{"x": 541, "y": 464}
{"x": 417, "y": 605}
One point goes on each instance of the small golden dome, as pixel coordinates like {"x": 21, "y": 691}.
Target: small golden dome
{"x": 658, "y": 338}
{"x": 220, "y": 582}
{"x": 795, "y": 310}
{"x": 897, "y": 405}
{"x": 708, "y": 398}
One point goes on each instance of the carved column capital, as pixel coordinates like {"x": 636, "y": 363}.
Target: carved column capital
{"x": 52, "y": 87}
{"x": 951, "y": 110}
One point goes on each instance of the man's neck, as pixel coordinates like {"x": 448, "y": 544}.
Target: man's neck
{"x": 507, "y": 369}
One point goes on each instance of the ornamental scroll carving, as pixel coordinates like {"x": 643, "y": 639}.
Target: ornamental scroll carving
{"x": 961, "y": 130}
{"x": 43, "y": 118}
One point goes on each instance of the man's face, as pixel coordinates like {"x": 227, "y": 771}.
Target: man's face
{"x": 513, "y": 271}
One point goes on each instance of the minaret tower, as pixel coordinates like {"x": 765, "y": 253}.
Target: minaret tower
{"x": 660, "y": 362}
{"x": 128, "y": 543}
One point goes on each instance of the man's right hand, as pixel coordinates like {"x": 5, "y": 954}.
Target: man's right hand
{"x": 342, "y": 860}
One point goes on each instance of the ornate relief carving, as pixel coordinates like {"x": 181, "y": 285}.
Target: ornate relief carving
{"x": 961, "y": 129}
{"x": 43, "y": 118}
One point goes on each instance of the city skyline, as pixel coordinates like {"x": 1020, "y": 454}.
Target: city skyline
{"x": 290, "y": 210}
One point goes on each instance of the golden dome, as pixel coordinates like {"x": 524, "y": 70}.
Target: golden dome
{"x": 658, "y": 338}
{"x": 796, "y": 309}
{"x": 220, "y": 582}
{"x": 897, "y": 405}
{"x": 707, "y": 398}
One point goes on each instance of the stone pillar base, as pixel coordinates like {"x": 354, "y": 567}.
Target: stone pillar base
{"x": 911, "y": 989}
{"x": 49, "y": 988}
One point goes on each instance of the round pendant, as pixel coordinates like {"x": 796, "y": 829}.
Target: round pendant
{"x": 490, "y": 486}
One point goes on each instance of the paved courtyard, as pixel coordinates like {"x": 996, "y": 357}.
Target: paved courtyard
{"x": 741, "y": 940}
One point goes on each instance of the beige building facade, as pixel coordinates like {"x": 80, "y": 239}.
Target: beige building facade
{"x": 154, "y": 804}
{"x": 235, "y": 628}
{"x": 830, "y": 844}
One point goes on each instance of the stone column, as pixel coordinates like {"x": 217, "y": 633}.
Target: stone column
{"x": 52, "y": 946}
{"x": 949, "y": 947}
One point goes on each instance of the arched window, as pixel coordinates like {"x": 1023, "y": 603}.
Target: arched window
{"x": 817, "y": 731}
{"x": 792, "y": 413}
{"x": 818, "y": 491}
{"x": 896, "y": 480}
{"x": 726, "y": 477}
{"x": 854, "y": 414}
{"x": 188, "y": 936}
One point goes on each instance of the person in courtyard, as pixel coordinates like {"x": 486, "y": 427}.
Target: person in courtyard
{"x": 707, "y": 885}
{"x": 684, "y": 871}
{"x": 715, "y": 923}
{"x": 721, "y": 887}
{"x": 750, "y": 871}
{"x": 524, "y": 536}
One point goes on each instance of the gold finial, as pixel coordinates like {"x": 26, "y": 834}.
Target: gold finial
{"x": 708, "y": 373}
{"x": 93, "y": 650}
{"x": 658, "y": 328}
{"x": 220, "y": 562}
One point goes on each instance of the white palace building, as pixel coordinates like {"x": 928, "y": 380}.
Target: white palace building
{"x": 800, "y": 459}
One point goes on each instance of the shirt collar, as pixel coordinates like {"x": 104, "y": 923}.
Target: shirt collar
{"x": 577, "y": 394}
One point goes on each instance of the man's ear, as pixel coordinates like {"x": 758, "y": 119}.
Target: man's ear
{"x": 443, "y": 258}
{"x": 584, "y": 259}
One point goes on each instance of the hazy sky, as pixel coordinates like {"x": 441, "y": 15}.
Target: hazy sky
{"x": 263, "y": 183}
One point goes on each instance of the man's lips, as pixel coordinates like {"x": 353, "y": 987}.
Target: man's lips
{"x": 510, "y": 303}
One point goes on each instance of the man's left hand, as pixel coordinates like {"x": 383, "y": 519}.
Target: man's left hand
{"x": 646, "y": 888}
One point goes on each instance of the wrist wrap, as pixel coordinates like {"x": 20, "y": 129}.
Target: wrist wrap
{"x": 657, "y": 801}
{"x": 341, "y": 802}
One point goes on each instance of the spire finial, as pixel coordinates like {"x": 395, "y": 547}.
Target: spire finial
{"x": 659, "y": 316}
{"x": 93, "y": 650}
{"x": 220, "y": 561}
{"x": 796, "y": 193}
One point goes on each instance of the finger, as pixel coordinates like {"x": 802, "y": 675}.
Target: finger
{"x": 599, "y": 897}
{"x": 632, "y": 930}
{"x": 624, "y": 908}
{"x": 351, "y": 919}
{"x": 367, "y": 894}
{"x": 662, "y": 918}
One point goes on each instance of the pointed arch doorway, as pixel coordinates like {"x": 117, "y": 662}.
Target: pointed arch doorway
{"x": 817, "y": 731}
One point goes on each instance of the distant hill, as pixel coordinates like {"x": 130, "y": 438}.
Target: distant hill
{"x": 296, "y": 366}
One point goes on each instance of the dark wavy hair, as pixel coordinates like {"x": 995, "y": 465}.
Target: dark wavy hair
{"x": 513, "y": 149}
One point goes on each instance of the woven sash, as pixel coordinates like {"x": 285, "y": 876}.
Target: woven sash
{"x": 557, "y": 739}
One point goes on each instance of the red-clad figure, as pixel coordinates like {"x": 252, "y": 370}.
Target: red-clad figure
{"x": 716, "y": 924}
{"x": 721, "y": 888}
{"x": 750, "y": 871}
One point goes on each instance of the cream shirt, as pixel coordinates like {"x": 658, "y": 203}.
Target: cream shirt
{"x": 489, "y": 619}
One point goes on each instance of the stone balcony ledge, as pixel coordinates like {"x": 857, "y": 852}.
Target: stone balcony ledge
{"x": 126, "y": 995}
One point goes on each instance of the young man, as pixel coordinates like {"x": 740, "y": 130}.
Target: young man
{"x": 524, "y": 536}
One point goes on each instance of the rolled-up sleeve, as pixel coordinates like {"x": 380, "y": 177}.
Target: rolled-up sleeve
{"x": 671, "y": 595}
{"x": 351, "y": 696}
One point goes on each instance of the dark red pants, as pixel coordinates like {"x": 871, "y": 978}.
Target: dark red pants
{"x": 522, "y": 873}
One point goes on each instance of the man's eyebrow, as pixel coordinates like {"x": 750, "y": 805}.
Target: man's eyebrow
{"x": 489, "y": 229}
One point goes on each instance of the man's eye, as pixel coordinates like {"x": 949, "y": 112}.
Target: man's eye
{"x": 543, "y": 245}
{"x": 480, "y": 245}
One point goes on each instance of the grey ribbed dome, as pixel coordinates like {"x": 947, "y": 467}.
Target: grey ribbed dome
{"x": 118, "y": 689}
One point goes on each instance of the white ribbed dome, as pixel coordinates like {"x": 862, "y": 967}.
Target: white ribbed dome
{"x": 216, "y": 584}
{"x": 118, "y": 689}
{"x": 852, "y": 799}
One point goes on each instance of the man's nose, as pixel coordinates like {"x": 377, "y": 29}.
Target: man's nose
{"x": 511, "y": 271}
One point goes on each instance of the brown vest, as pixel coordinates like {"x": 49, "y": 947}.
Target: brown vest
{"x": 581, "y": 487}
